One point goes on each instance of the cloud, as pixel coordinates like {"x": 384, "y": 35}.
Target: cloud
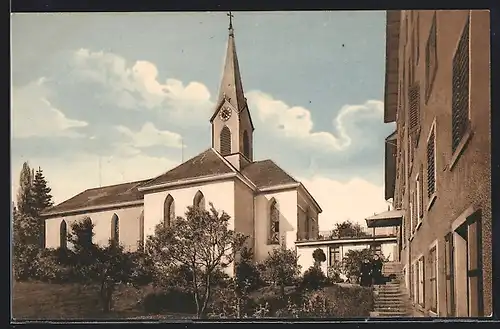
{"x": 33, "y": 115}
{"x": 149, "y": 136}
{"x": 137, "y": 86}
{"x": 295, "y": 122}
{"x": 353, "y": 200}
{"x": 72, "y": 175}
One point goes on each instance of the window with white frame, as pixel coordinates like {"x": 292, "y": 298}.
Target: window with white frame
{"x": 415, "y": 283}
{"x": 433, "y": 270}
{"x": 421, "y": 281}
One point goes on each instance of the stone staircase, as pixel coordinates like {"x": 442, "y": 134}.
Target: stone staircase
{"x": 391, "y": 299}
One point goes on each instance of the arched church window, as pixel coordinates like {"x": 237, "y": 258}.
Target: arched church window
{"x": 63, "y": 235}
{"x": 141, "y": 230}
{"x": 115, "y": 229}
{"x": 168, "y": 210}
{"x": 199, "y": 200}
{"x": 246, "y": 144}
{"x": 225, "y": 141}
{"x": 274, "y": 223}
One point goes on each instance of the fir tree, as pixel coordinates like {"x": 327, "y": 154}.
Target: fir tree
{"x": 41, "y": 192}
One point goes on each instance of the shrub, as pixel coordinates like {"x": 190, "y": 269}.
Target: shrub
{"x": 281, "y": 268}
{"x": 313, "y": 279}
{"x": 335, "y": 301}
{"x": 170, "y": 300}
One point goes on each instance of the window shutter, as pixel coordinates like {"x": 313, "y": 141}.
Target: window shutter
{"x": 421, "y": 190}
{"x": 460, "y": 89}
{"x": 431, "y": 171}
{"x": 414, "y": 100}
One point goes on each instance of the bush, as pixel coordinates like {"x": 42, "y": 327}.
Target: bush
{"x": 313, "y": 279}
{"x": 170, "y": 300}
{"x": 335, "y": 301}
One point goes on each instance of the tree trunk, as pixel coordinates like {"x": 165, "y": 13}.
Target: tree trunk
{"x": 282, "y": 290}
{"x": 206, "y": 297}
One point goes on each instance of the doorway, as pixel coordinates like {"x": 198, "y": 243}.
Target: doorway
{"x": 467, "y": 240}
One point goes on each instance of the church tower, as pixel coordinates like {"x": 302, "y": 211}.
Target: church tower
{"x": 232, "y": 127}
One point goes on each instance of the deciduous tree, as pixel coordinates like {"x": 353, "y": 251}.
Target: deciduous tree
{"x": 201, "y": 242}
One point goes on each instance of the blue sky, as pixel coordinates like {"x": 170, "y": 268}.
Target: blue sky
{"x": 130, "y": 88}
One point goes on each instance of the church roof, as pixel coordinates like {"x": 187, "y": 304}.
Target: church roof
{"x": 100, "y": 196}
{"x": 266, "y": 173}
{"x": 207, "y": 163}
{"x": 263, "y": 174}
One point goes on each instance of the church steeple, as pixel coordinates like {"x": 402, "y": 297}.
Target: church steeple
{"x": 231, "y": 86}
{"x": 232, "y": 127}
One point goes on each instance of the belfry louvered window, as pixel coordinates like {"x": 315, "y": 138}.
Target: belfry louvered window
{"x": 225, "y": 141}
{"x": 460, "y": 89}
{"x": 431, "y": 162}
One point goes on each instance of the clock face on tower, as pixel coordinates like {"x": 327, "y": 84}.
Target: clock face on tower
{"x": 225, "y": 113}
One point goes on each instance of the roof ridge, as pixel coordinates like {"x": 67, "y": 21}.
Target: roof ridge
{"x": 114, "y": 185}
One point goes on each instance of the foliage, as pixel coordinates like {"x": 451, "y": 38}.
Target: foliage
{"x": 281, "y": 268}
{"x": 351, "y": 264}
{"x": 334, "y": 271}
{"x": 170, "y": 300}
{"x": 334, "y": 301}
{"x": 247, "y": 275}
{"x": 28, "y": 227}
{"x": 318, "y": 256}
{"x": 41, "y": 192}
{"x": 313, "y": 279}
{"x": 25, "y": 245}
{"x": 202, "y": 243}
{"x": 347, "y": 229}
{"x": 25, "y": 199}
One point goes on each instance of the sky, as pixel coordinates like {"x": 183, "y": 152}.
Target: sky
{"x": 106, "y": 98}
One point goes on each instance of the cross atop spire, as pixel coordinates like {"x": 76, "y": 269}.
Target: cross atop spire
{"x": 230, "y": 21}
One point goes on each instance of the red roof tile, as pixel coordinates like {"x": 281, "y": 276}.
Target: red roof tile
{"x": 207, "y": 163}
{"x": 266, "y": 173}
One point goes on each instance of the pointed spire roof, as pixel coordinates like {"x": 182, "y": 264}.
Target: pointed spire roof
{"x": 231, "y": 86}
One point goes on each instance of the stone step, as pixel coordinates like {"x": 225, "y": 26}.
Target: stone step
{"x": 390, "y": 307}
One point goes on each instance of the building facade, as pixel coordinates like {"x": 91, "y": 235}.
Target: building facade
{"x": 438, "y": 170}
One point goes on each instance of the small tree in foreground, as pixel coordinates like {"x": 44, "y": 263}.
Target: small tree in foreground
{"x": 202, "y": 243}
{"x": 281, "y": 268}
{"x": 105, "y": 265}
{"x": 319, "y": 257}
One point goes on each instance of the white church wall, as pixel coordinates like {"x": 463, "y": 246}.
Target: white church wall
{"x": 220, "y": 193}
{"x": 287, "y": 206}
{"x": 244, "y": 211}
{"x": 129, "y": 234}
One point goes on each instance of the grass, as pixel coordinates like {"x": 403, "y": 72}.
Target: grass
{"x": 50, "y": 301}
{"x": 43, "y": 301}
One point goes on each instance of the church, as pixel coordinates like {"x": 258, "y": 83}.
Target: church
{"x": 264, "y": 202}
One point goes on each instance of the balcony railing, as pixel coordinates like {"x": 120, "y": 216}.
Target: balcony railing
{"x": 330, "y": 235}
